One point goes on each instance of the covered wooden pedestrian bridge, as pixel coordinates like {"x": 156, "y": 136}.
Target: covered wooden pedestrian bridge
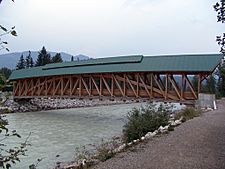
{"x": 167, "y": 77}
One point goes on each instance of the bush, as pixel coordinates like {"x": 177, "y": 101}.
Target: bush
{"x": 188, "y": 113}
{"x": 144, "y": 120}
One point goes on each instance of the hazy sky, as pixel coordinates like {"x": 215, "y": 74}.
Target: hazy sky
{"x": 100, "y": 28}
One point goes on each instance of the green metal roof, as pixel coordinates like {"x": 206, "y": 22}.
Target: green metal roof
{"x": 138, "y": 63}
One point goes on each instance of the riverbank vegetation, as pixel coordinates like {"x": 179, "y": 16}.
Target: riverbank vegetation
{"x": 144, "y": 120}
{"x": 188, "y": 113}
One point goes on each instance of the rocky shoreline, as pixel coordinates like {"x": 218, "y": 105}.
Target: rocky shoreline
{"x": 41, "y": 104}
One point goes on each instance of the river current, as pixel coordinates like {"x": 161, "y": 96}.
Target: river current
{"x": 59, "y": 132}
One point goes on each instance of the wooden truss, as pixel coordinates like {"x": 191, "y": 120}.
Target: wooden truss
{"x": 126, "y": 85}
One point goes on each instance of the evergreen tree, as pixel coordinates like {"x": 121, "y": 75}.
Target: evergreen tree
{"x": 195, "y": 83}
{"x": 6, "y": 72}
{"x": 43, "y": 58}
{"x": 210, "y": 86}
{"x": 57, "y": 58}
{"x": 29, "y": 61}
{"x": 21, "y": 63}
{"x": 72, "y": 59}
{"x": 221, "y": 80}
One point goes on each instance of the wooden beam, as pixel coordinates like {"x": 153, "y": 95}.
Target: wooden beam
{"x": 100, "y": 78}
{"x": 85, "y": 86}
{"x": 191, "y": 87}
{"x": 132, "y": 87}
{"x": 107, "y": 86}
{"x": 160, "y": 88}
{"x": 175, "y": 87}
{"x": 62, "y": 84}
{"x": 137, "y": 78}
{"x": 96, "y": 86}
{"x": 66, "y": 87}
{"x": 75, "y": 86}
{"x": 71, "y": 85}
{"x": 80, "y": 86}
{"x": 57, "y": 87}
{"x": 199, "y": 83}
{"x": 145, "y": 86}
{"x": 118, "y": 85}
{"x": 166, "y": 87}
{"x": 112, "y": 85}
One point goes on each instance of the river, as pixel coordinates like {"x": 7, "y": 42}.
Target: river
{"x": 59, "y": 132}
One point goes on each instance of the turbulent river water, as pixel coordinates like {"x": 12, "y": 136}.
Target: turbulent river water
{"x": 59, "y": 132}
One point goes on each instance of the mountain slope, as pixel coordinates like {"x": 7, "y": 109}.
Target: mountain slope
{"x": 10, "y": 60}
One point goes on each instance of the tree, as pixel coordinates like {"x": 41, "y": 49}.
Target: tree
{"x": 221, "y": 80}
{"x": 57, "y": 58}
{"x": 4, "y": 31}
{"x": 43, "y": 58}
{"x": 21, "y": 63}
{"x": 72, "y": 59}
{"x": 210, "y": 86}
{"x": 29, "y": 61}
{"x": 6, "y": 72}
{"x": 195, "y": 82}
{"x": 220, "y": 9}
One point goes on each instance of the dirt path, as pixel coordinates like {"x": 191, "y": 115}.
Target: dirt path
{"x": 196, "y": 144}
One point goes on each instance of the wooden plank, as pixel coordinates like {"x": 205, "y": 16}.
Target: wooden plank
{"x": 62, "y": 85}
{"x": 66, "y": 87}
{"x": 175, "y": 87}
{"x": 96, "y": 86}
{"x": 75, "y": 86}
{"x": 112, "y": 85}
{"x": 85, "y": 86}
{"x": 160, "y": 88}
{"x": 100, "y": 85}
{"x": 118, "y": 85}
{"x": 191, "y": 87}
{"x": 145, "y": 86}
{"x": 57, "y": 88}
{"x": 132, "y": 87}
{"x": 107, "y": 86}
{"x": 80, "y": 86}
{"x": 166, "y": 87}
{"x": 199, "y": 83}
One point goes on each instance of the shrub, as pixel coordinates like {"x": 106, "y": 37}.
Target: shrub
{"x": 144, "y": 120}
{"x": 188, "y": 113}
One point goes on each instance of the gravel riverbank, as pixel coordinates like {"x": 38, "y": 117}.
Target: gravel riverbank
{"x": 10, "y": 106}
{"x": 196, "y": 144}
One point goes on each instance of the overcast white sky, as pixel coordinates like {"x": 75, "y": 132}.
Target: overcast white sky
{"x": 99, "y": 28}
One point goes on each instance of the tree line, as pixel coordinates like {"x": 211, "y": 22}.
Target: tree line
{"x": 43, "y": 58}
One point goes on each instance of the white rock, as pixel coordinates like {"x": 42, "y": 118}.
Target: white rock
{"x": 178, "y": 122}
{"x": 120, "y": 148}
{"x": 173, "y": 123}
{"x": 129, "y": 144}
{"x": 142, "y": 138}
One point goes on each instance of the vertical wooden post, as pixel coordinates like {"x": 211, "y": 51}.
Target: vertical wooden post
{"x": 183, "y": 86}
{"x": 100, "y": 85}
{"x": 199, "y": 83}
{"x": 112, "y": 85}
{"x": 14, "y": 88}
{"x": 61, "y": 79}
{"x": 124, "y": 84}
{"x": 166, "y": 87}
{"x": 71, "y": 84}
{"x": 137, "y": 78}
{"x": 152, "y": 86}
{"x": 90, "y": 84}
{"x": 53, "y": 86}
{"x": 46, "y": 86}
{"x": 80, "y": 86}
